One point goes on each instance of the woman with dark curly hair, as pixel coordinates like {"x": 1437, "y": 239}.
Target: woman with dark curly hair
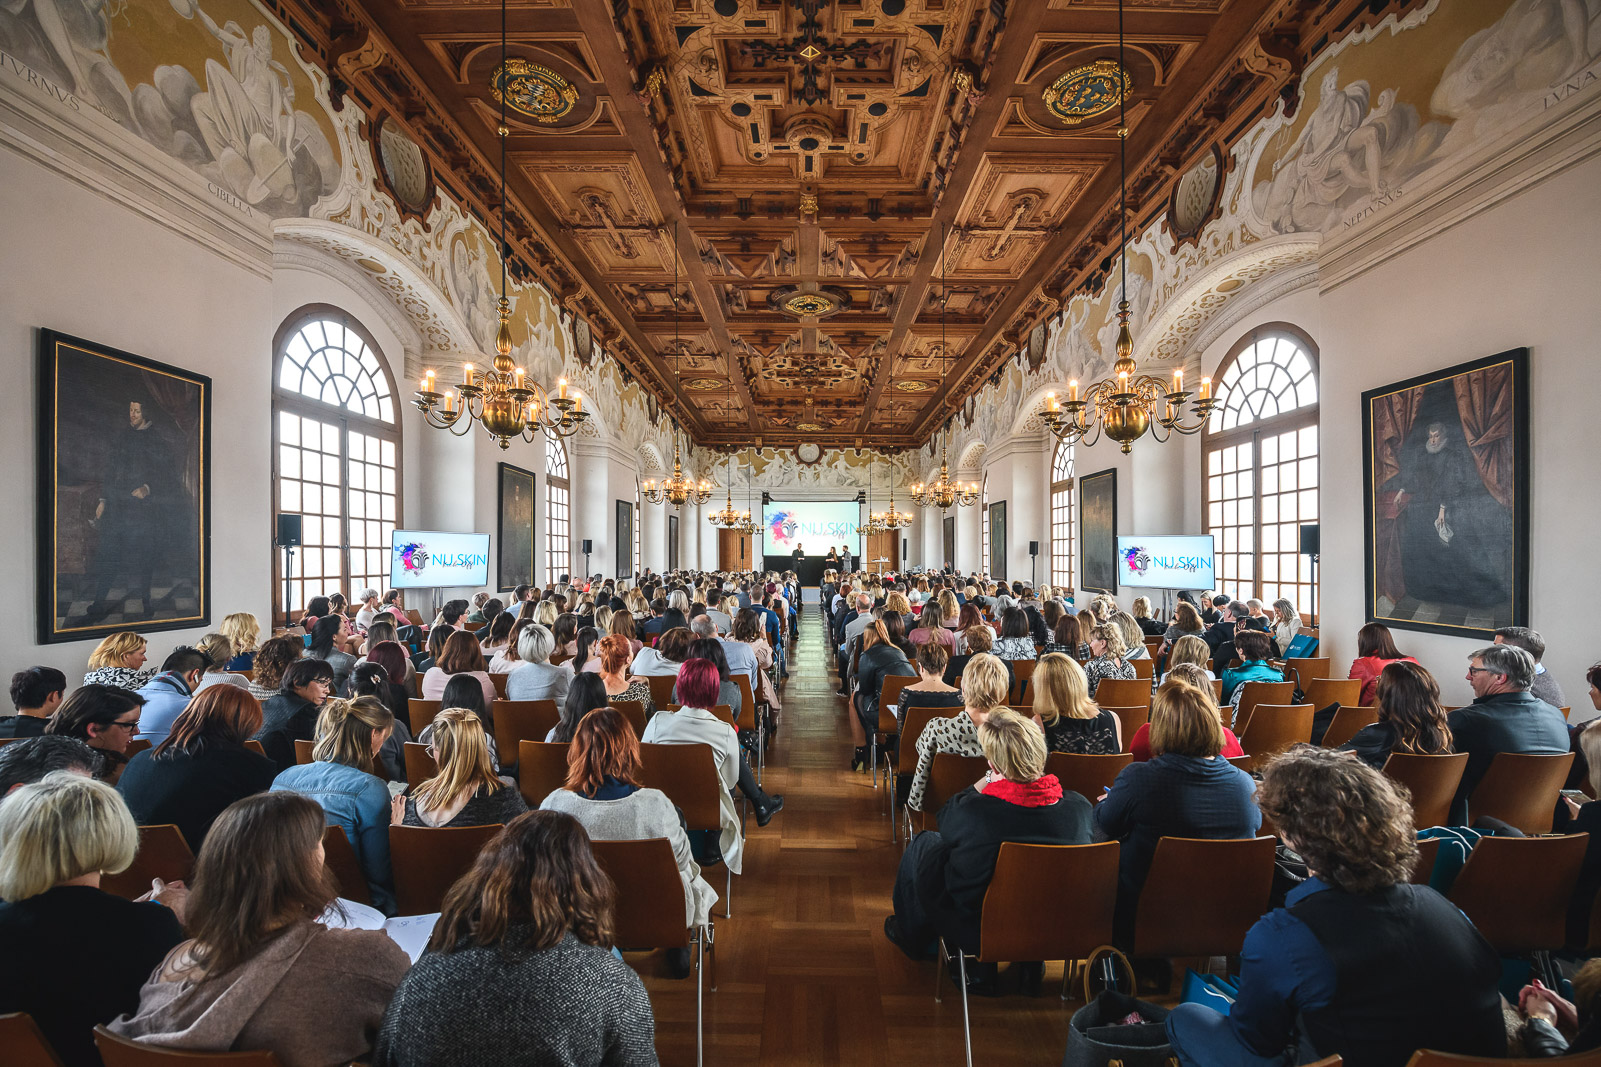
{"x": 1359, "y": 961}
{"x": 1411, "y": 718}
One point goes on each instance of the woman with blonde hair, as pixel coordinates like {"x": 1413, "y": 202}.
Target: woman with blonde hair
{"x": 547, "y": 613}
{"x": 119, "y": 660}
{"x": 1086, "y": 623}
{"x": 347, "y": 780}
{"x": 949, "y": 609}
{"x": 243, "y": 629}
{"x": 1107, "y": 650}
{"x": 1133, "y": 636}
{"x": 1141, "y": 613}
{"x": 220, "y": 651}
{"x": 1191, "y": 650}
{"x": 985, "y": 685}
{"x": 1072, "y": 721}
{"x": 1191, "y": 675}
{"x": 466, "y": 791}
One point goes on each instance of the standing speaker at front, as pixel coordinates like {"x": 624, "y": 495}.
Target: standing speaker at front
{"x": 589, "y": 546}
{"x": 288, "y": 531}
{"x": 1033, "y": 548}
{"x": 1309, "y": 539}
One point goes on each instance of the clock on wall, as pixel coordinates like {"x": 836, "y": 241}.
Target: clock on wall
{"x": 809, "y": 452}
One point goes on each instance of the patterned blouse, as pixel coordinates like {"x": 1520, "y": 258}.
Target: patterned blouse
{"x": 1089, "y": 737}
{"x": 957, "y": 735}
{"x": 1106, "y": 667}
{"x": 1014, "y": 648}
{"x": 639, "y": 690}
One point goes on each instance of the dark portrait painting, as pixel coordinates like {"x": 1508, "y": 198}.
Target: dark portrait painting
{"x": 1097, "y": 516}
{"x": 997, "y": 560}
{"x": 1447, "y": 477}
{"x": 625, "y": 539}
{"x": 124, "y": 493}
{"x": 515, "y": 560}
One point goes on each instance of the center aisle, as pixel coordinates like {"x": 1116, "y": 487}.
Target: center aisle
{"x": 805, "y": 975}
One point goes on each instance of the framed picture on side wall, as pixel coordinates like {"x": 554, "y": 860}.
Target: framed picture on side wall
{"x": 515, "y": 528}
{"x": 1446, "y": 474}
{"x": 625, "y": 539}
{"x": 124, "y": 492}
{"x": 997, "y": 560}
{"x": 1097, "y": 517}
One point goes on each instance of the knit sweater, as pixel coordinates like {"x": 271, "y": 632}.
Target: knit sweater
{"x": 572, "y": 1005}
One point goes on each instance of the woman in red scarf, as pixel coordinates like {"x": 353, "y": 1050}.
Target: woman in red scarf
{"x": 939, "y": 891}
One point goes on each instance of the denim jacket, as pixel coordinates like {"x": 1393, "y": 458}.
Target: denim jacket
{"x": 358, "y": 803}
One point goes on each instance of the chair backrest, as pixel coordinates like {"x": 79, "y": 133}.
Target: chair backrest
{"x": 1432, "y": 781}
{"x": 1201, "y": 896}
{"x": 726, "y": 713}
{"x": 1275, "y": 727}
{"x": 136, "y": 746}
{"x": 1144, "y": 670}
{"x": 521, "y": 720}
{"x": 1321, "y": 692}
{"x": 1521, "y": 790}
{"x": 1217, "y": 689}
{"x": 249, "y": 675}
{"x": 416, "y": 619}
{"x": 889, "y": 693}
{"x": 747, "y": 701}
{"x": 688, "y": 775}
{"x": 421, "y": 713}
{"x": 303, "y": 750}
{"x": 1087, "y": 776}
{"x": 1022, "y": 674}
{"x": 1259, "y": 693}
{"x": 949, "y": 775}
{"x": 116, "y": 1051}
{"x": 1129, "y": 719}
{"x": 1348, "y": 719}
{"x": 23, "y": 1044}
{"x": 541, "y": 769}
{"x": 558, "y": 658}
{"x": 499, "y": 678}
{"x": 340, "y": 858}
{"x": 428, "y": 860}
{"x": 649, "y": 910}
{"x": 1428, "y": 852}
{"x": 1013, "y": 926}
{"x": 1304, "y": 670}
{"x": 1429, "y": 1058}
{"x": 1516, "y": 890}
{"x": 420, "y": 764}
{"x": 634, "y": 712}
{"x": 255, "y": 746}
{"x": 163, "y": 853}
{"x": 661, "y": 688}
{"x": 1124, "y": 693}
{"x": 916, "y": 719}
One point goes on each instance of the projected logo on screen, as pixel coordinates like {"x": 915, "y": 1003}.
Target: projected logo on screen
{"x": 413, "y": 557}
{"x": 1138, "y": 561}
{"x": 782, "y": 525}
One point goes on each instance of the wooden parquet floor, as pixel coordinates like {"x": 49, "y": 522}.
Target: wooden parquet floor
{"x": 805, "y": 974}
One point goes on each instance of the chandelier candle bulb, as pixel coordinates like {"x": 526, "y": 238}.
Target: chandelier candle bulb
{"x": 578, "y": 401}
{"x": 1072, "y": 390}
{"x": 1206, "y": 387}
{"x": 467, "y": 374}
{"x": 561, "y": 388}
{"x": 1178, "y": 380}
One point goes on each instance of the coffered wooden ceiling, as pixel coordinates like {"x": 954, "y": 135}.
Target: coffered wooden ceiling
{"x": 812, "y": 160}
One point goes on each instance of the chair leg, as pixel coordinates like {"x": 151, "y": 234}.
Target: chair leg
{"x": 939, "y": 972}
{"x": 967, "y": 1029}
{"x": 700, "y": 997}
{"x": 872, "y": 752}
{"x": 728, "y": 894}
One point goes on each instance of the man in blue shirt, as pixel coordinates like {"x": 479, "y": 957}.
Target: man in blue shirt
{"x": 1504, "y": 717}
{"x": 168, "y": 693}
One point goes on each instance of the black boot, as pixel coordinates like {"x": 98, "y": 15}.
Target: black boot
{"x": 767, "y": 807}
{"x": 679, "y": 962}
{"x": 859, "y": 759}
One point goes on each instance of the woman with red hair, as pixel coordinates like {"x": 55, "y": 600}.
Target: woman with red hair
{"x": 615, "y": 655}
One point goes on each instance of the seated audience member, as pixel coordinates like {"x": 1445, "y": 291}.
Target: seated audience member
{"x": 497, "y": 635}
{"x": 1221, "y": 633}
{"x": 461, "y": 655}
{"x": 656, "y": 625}
{"x": 106, "y": 717}
{"x": 1186, "y": 623}
{"x": 1572, "y": 817}
{"x": 1072, "y": 721}
{"x": 345, "y": 779}
{"x": 930, "y": 690}
{"x": 536, "y": 678}
{"x": 119, "y": 660}
{"x": 586, "y": 658}
{"x": 317, "y": 608}
{"x": 1016, "y": 641}
{"x": 1186, "y": 790}
{"x": 290, "y": 715}
{"x": 1359, "y": 962}
{"x": 374, "y": 679}
{"x": 519, "y": 966}
{"x": 29, "y": 759}
{"x": 622, "y": 624}
{"x": 1107, "y": 656}
{"x": 672, "y": 648}
{"x": 1192, "y": 650}
{"x": 75, "y": 954}
{"x": 1064, "y": 636}
{"x": 1545, "y": 686}
{"x": 710, "y": 649}
{"x": 1286, "y": 624}
{"x": 1504, "y": 717}
{"x": 1375, "y": 650}
{"x": 940, "y": 887}
{"x": 271, "y": 661}
{"x": 433, "y": 648}
{"x": 36, "y": 694}
{"x": 466, "y": 791}
{"x": 463, "y": 692}
{"x": 506, "y": 659}
{"x": 1411, "y": 719}
{"x": 603, "y": 793}
{"x": 985, "y": 687}
{"x": 931, "y": 627}
{"x": 1555, "y": 1026}
{"x": 1253, "y": 647}
{"x": 614, "y": 659}
{"x": 1186, "y": 674}
{"x": 748, "y": 631}
{"x": 1141, "y": 613}
{"x": 219, "y": 650}
{"x": 260, "y": 971}
{"x": 1133, "y": 636}
{"x": 588, "y": 692}
{"x": 368, "y": 598}
{"x": 978, "y": 640}
{"x": 327, "y": 635}
{"x": 169, "y": 692}
{"x": 480, "y": 605}
{"x": 200, "y": 767}
{"x": 565, "y": 632}
{"x": 880, "y": 658}
{"x": 243, "y": 632}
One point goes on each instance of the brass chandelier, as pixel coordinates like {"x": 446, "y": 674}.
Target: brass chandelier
{"x": 886, "y": 521}
{"x": 1127, "y": 404}
{"x": 942, "y": 493}
{"x": 501, "y": 399}
{"x": 677, "y": 490}
{"x": 729, "y": 518}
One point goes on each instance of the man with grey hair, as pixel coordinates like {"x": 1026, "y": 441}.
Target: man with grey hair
{"x": 26, "y": 761}
{"x": 741, "y": 658}
{"x": 1504, "y": 717}
{"x": 1545, "y": 684}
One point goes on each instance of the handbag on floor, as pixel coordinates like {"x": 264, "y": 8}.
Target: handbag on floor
{"x": 1216, "y": 993}
{"x": 1098, "y": 1035}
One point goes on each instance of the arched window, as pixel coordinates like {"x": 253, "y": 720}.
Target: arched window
{"x": 1261, "y": 481}
{"x": 1062, "y": 516}
{"x": 984, "y": 532}
{"x": 558, "y": 509}
{"x": 336, "y": 457}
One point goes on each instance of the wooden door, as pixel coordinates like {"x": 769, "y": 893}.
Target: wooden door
{"x": 734, "y": 551}
{"x": 883, "y": 546}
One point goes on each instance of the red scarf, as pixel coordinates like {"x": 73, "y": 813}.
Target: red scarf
{"x": 1042, "y": 792}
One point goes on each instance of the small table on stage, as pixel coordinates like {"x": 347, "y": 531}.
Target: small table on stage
{"x": 880, "y": 561}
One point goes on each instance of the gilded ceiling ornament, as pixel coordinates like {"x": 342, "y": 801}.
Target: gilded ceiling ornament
{"x": 703, "y": 383}
{"x": 807, "y": 304}
{"x": 913, "y": 385}
{"x": 1087, "y": 91}
{"x": 808, "y": 204}
{"x": 532, "y": 90}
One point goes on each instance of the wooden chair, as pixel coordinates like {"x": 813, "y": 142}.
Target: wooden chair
{"x": 1144, "y": 670}
{"x": 661, "y": 688}
{"x": 1274, "y": 728}
{"x": 916, "y": 719}
{"x": 428, "y": 860}
{"x": 1321, "y": 692}
{"x": 1129, "y": 720}
{"x": 1012, "y": 927}
{"x": 163, "y": 853}
{"x": 421, "y": 713}
{"x": 949, "y": 775}
{"x": 420, "y": 764}
{"x": 416, "y": 619}
{"x": 499, "y": 678}
{"x": 558, "y": 658}
{"x": 649, "y": 912}
{"x": 751, "y": 719}
{"x": 889, "y": 698}
{"x": 1346, "y": 722}
{"x": 522, "y": 720}
{"x": 634, "y": 712}
{"x": 1521, "y": 790}
{"x": 118, "y": 1051}
{"x": 1201, "y": 896}
{"x": 726, "y": 713}
{"x": 136, "y": 746}
{"x": 23, "y": 1044}
{"x": 1217, "y": 690}
{"x": 886, "y": 727}
{"x": 1087, "y": 776}
{"x": 1516, "y": 890}
{"x": 1258, "y": 693}
{"x": 1303, "y": 671}
{"x": 303, "y": 751}
{"x": 1429, "y": 1058}
{"x": 255, "y": 746}
{"x": 1428, "y": 852}
{"x": 1433, "y": 782}
{"x": 1022, "y": 674}
{"x": 1124, "y": 693}
{"x": 541, "y": 769}
{"x": 688, "y": 775}
{"x": 340, "y": 859}
{"x": 248, "y": 676}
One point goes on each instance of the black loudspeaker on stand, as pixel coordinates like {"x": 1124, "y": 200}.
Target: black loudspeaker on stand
{"x": 589, "y": 546}
{"x": 1309, "y": 547}
{"x": 1034, "y": 562}
{"x": 288, "y": 539}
